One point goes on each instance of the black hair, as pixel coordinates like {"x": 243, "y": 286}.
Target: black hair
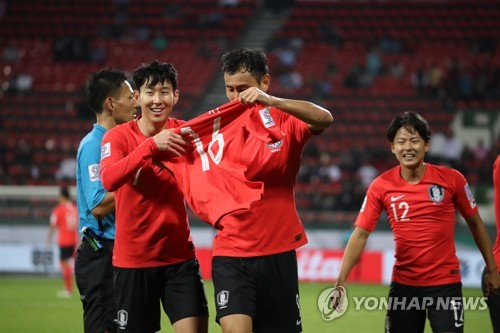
{"x": 252, "y": 61}
{"x": 64, "y": 192}
{"x": 100, "y": 85}
{"x": 154, "y": 73}
{"x": 412, "y": 121}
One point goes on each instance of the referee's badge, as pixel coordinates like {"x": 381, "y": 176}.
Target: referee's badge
{"x": 222, "y": 299}
{"x": 436, "y": 193}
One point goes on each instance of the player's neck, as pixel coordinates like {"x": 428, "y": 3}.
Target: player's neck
{"x": 150, "y": 128}
{"x": 413, "y": 176}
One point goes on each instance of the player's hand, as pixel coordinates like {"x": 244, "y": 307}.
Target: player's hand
{"x": 492, "y": 281}
{"x": 254, "y": 95}
{"x": 170, "y": 142}
{"x": 337, "y": 298}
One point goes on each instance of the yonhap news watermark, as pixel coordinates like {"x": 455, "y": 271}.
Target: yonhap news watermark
{"x": 334, "y": 302}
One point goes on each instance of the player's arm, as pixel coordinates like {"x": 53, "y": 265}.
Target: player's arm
{"x": 352, "y": 253}
{"x": 476, "y": 226}
{"x": 315, "y": 116}
{"x": 52, "y": 228}
{"x": 105, "y": 207}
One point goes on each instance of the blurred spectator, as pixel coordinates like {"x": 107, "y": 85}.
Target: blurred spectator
{"x": 366, "y": 172}
{"x": 419, "y": 80}
{"x": 480, "y": 151}
{"x": 434, "y": 84}
{"x": 159, "y": 42}
{"x": 446, "y": 147}
{"x": 98, "y": 54}
{"x": 330, "y": 33}
{"x": 24, "y": 83}
{"x": 10, "y": 52}
{"x": 67, "y": 169}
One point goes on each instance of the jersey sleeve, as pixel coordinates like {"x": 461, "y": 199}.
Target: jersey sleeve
{"x": 293, "y": 126}
{"x": 464, "y": 198}
{"x": 117, "y": 164}
{"x": 371, "y": 209}
{"x": 91, "y": 179}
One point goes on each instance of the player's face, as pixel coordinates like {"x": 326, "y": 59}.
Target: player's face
{"x": 409, "y": 148}
{"x": 124, "y": 105}
{"x": 241, "y": 81}
{"x": 157, "y": 102}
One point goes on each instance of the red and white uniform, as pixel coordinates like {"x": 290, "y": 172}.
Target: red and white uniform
{"x": 496, "y": 183}
{"x": 65, "y": 218}
{"x": 272, "y": 224}
{"x": 211, "y": 176}
{"x": 151, "y": 223}
{"x": 422, "y": 217}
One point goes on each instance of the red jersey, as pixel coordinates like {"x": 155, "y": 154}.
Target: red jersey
{"x": 65, "y": 218}
{"x": 496, "y": 184}
{"x": 272, "y": 224}
{"x": 211, "y": 177}
{"x": 151, "y": 223}
{"x": 422, "y": 217}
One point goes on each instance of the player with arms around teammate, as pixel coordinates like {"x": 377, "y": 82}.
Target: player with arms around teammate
{"x": 111, "y": 98}
{"x": 494, "y": 298}
{"x": 255, "y": 265}
{"x": 64, "y": 218}
{"x": 154, "y": 255}
{"x": 420, "y": 200}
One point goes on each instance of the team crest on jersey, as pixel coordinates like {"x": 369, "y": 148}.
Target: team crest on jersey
{"x": 436, "y": 193}
{"x": 106, "y": 150}
{"x": 94, "y": 172}
{"x": 122, "y": 319}
{"x": 222, "y": 299}
{"x": 266, "y": 117}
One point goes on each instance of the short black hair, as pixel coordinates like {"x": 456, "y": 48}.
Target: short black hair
{"x": 64, "y": 192}
{"x": 251, "y": 60}
{"x": 154, "y": 73}
{"x": 412, "y": 121}
{"x": 100, "y": 85}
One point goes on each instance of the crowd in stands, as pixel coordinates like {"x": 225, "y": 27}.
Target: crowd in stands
{"x": 330, "y": 179}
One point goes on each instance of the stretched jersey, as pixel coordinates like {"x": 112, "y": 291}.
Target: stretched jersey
{"x": 270, "y": 225}
{"x": 89, "y": 189}
{"x": 496, "y": 184}
{"x": 151, "y": 223}
{"x": 422, "y": 217}
{"x": 65, "y": 218}
{"x": 211, "y": 176}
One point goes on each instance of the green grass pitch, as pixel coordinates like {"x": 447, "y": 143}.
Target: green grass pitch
{"x": 30, "y": 304}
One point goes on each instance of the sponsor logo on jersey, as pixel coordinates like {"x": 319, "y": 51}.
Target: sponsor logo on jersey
{"x": 94, "y": 172}
{"x": 275, "y": 145}
{"x": 106, "y": 150}
{"x": 266, "y": 117}
{"x": 122, "y": 319}
{"x": 223, "y": 299}
{"x": 436, "y": 193}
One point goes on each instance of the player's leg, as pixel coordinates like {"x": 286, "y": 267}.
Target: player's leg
{"x": 183, "y": 297}
{"x": 66, "y": 253}
{"x": 235, "y": 294}
{"x": 493, "y": 302}
{"x": 278, "y": 301}
{"x": 94, "y": 279}
{"x": 400, "y": 317}
{"x": 447, "y": 312}
{"x": 137, "y": 293}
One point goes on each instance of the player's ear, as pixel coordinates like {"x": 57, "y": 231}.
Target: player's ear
{"x": 427, "y": 146}
{"x": 265, "y": 82}
{"x": 108, "y": 103}
{"x": 176, "y": 96}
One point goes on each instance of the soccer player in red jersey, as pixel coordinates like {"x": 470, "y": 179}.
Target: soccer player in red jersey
{"x": 64, "y": 218}
{"x": 420, "y": 200}
{"x": 254, "y": 266}
{"x": 154, "y": 255}
{"x": 494, "y": 298}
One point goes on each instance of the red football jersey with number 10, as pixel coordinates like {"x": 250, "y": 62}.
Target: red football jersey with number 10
{"x": 422, "y": 217}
